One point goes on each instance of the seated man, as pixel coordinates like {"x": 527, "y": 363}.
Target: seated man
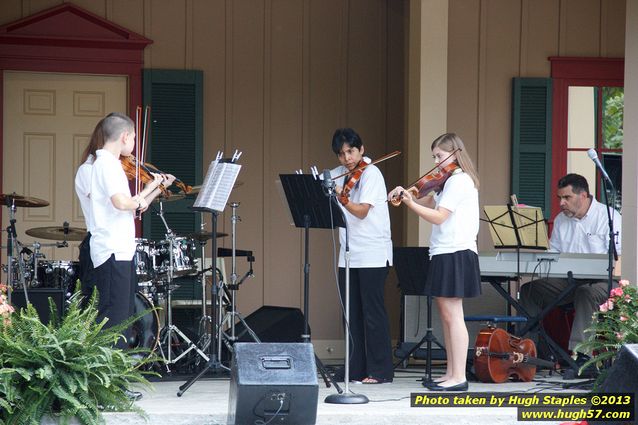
{"x": 581, "y": 228}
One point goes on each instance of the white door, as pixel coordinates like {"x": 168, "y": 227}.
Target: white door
{"x": 48, "y": 119}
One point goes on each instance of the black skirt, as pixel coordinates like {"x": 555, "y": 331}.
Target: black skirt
{"x": 454, "y": 275}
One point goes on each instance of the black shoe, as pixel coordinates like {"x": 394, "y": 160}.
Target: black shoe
{"x": 133, "y": 395}
{"x": 463, "y": 386}
{"x": 589, "y": 372}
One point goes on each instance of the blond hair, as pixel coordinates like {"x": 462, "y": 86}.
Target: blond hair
{"x": 449, "y": 142}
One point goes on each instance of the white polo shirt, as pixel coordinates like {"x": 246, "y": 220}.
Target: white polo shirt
{"x": 370, "y": 238}
{"x": 459, "y": 231}
{"x": 83, "y": 190}
{"x": 113, "y": 230}
{"x": 588, "y": 235}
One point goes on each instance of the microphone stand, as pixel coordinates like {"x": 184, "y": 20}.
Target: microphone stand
{"x": 346, "y": 397}
{"x": 612, "y": 254}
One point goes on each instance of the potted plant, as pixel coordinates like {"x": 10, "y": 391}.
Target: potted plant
{"x": 66, "y": 368}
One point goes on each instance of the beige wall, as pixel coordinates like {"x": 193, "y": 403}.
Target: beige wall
{"x": 281, "y": 75}
{"x": 491, "y": 42}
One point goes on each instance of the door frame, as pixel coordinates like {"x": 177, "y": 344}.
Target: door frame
{"x": 53, "y": 41}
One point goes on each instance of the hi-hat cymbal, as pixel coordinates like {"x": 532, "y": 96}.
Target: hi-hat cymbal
{"x": 204, "y": 236}
{"x": 57, "y": 233}
{"x": 21, "y": 201}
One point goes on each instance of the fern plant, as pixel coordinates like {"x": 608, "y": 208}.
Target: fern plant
{"x": 66, "y": 368}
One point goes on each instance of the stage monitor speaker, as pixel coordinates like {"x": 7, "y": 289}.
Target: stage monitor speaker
{"x": 39, "y": 297}
{"x": 273, "y": 383}
{"x": 622, "y": 377}
{"x": 273, "y": 324}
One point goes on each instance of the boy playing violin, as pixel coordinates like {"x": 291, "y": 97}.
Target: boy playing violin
{"x": 110, "y": 214}
{"x": 366, "y": 212}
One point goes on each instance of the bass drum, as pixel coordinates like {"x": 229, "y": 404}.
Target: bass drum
{"x": 145, "y": 331}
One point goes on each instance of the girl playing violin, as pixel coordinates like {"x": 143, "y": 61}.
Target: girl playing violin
{"x": 362, "y": 196}
{"x": 453, "y": 273}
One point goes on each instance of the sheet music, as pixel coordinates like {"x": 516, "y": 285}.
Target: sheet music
{"x": 527, "y": 220}
{"x": 218, "y": 184}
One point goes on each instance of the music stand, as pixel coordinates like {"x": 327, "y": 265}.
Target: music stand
{"x": 523, "y": 227}
{"x": 309, "y": 208}
{"x": 411, "y": 265}
{"x": 213, "y": 197}
{"x": 517, "y": 227}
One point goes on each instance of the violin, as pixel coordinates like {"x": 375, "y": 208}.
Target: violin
{"x": 433, "y": 180}
{"x": 129, "y": 164}
{"x": 355, "y": 175}
{"x": 499, "y": 356}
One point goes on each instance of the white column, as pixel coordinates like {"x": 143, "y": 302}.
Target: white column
{"x": 630, "y": 148}
{"x": 427, "y": 97}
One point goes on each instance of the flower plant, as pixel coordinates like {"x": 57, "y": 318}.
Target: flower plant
{"x": 613, "y": 325}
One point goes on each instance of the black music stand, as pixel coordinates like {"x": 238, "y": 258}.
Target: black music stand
{"x": 310, "y": 208}
{"x": 213, "y": 197}
{"x": 411, "y": 265}
{"x": 517, "y": 227}
{"x": 521, "y": 227}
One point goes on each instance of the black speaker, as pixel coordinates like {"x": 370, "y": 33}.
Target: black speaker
{"x": 622, "y": 377}
{"x": 273, "y": 324}
{"x": 39, "y": 297}
{"x": 273, "y": 383}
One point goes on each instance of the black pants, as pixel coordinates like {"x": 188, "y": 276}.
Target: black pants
{"x": 116, "y": 284}
{"x": 87, "y": 272}
{"x": 371, "y": 352}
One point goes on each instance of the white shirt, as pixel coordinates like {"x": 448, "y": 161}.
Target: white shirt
{"x": 83, "y": 190}
{"x": 459, "y": 231}
{"x": 588, "y": 235}
{"x": 113, "y": 230}
{"x": 370, "y": 238}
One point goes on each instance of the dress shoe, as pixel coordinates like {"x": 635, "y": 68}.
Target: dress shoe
{"x": 589, "y": 372}
{"x": 463, "y": 386}
{"x": 133, "y": 395}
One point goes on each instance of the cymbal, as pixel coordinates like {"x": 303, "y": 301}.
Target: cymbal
{"x": 204, "y": 236}
{"x": 171, "y": 198}
{"x": 22, "y": 201}
{"x": 57, "y": 233}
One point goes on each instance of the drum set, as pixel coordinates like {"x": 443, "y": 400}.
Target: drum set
{"x": 161, "y": 267}
{"x": 26, "y": 266}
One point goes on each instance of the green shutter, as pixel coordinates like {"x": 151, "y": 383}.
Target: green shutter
{"x": 175, "y": 146}
{"x": 532, "y": 141}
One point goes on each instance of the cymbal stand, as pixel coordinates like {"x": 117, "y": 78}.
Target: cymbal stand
{"x": 170, "y": 328}
{"x": 232, "y": 315}
{"x": 12, "y": 240}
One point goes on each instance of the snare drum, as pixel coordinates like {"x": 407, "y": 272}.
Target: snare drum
{"x": 56, "y": 274}
{"x": 184, "y": 262}
{"x": 144, "y": 259}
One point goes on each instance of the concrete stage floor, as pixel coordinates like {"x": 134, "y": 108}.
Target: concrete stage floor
{"x": 206, "y": 402}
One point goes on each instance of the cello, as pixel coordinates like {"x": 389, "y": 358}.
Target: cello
{"x": 499, "y": 356}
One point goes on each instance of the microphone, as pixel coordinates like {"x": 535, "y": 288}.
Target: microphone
{"x": 594, "y": 157}
{"x": 327, "y": 182}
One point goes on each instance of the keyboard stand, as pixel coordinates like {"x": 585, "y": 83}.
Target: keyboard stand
{"x": 534, "y": 322}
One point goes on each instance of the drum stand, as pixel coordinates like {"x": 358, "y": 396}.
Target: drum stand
{"x": 232, "y": 315}
{"x": 170, "y": 328}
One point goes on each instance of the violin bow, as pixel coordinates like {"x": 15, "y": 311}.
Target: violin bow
{"x": 140, "y": 136}
{"x": 376, "y": 161}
